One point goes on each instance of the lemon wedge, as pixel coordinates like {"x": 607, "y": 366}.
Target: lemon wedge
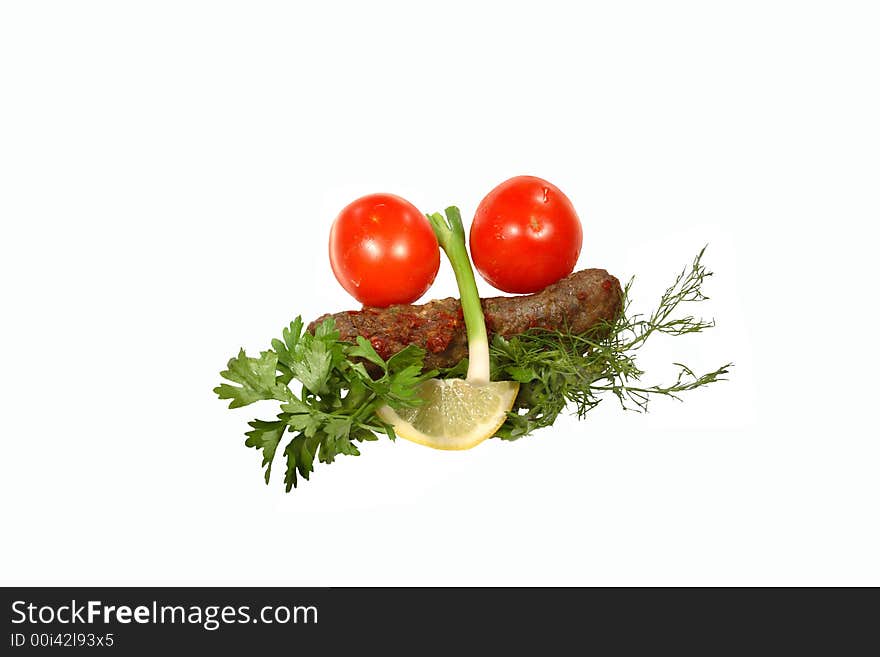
{"x": 455, "y": 414}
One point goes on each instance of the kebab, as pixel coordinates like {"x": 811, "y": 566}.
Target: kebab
{"x": 578, "y": 303}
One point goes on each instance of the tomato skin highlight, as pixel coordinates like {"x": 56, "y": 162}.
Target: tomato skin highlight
{"x": 525, "y": 235}
{"x": 383, "y": 250}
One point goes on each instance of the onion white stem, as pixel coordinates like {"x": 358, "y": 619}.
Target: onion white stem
{"x": 450, "y": 235}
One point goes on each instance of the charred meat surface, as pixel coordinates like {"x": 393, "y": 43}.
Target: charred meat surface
{"x": 576, "y": 303}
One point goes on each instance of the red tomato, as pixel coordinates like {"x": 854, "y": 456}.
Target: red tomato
{"x": 383, "y": 250}
{"x": 525, "y": 236}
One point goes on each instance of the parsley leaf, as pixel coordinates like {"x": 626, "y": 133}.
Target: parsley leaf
{"x": 266, "y": 436}
{"x": 313, "y": 367}
{"x": 256, "y": 377}
{"x": 365, "y": 350}
{"x": 300, "y": 453}
{"x": 286, "y": 347}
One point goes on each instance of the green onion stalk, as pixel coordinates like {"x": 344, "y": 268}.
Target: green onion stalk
{"x": 450, "y": 235}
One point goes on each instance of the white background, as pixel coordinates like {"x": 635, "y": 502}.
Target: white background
{"x": 168, "y": 175}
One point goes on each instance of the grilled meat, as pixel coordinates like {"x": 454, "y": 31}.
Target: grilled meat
{"x": 576, "y": 303}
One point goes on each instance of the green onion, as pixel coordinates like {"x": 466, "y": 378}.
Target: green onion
{"x": 450, "y": 235}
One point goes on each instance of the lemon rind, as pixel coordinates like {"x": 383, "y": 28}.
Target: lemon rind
{"x": 470, "y": 440}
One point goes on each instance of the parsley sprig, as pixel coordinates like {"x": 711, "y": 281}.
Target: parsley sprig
{"x": 335, "y": 407}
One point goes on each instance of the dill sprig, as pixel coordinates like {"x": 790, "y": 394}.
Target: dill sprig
{"x": 557, "y": 369}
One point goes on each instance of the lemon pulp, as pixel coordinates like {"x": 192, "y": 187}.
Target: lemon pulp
{"x": 455, "y": 414}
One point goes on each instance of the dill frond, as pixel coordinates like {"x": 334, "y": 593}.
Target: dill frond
{"x": 557, "y": 369}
